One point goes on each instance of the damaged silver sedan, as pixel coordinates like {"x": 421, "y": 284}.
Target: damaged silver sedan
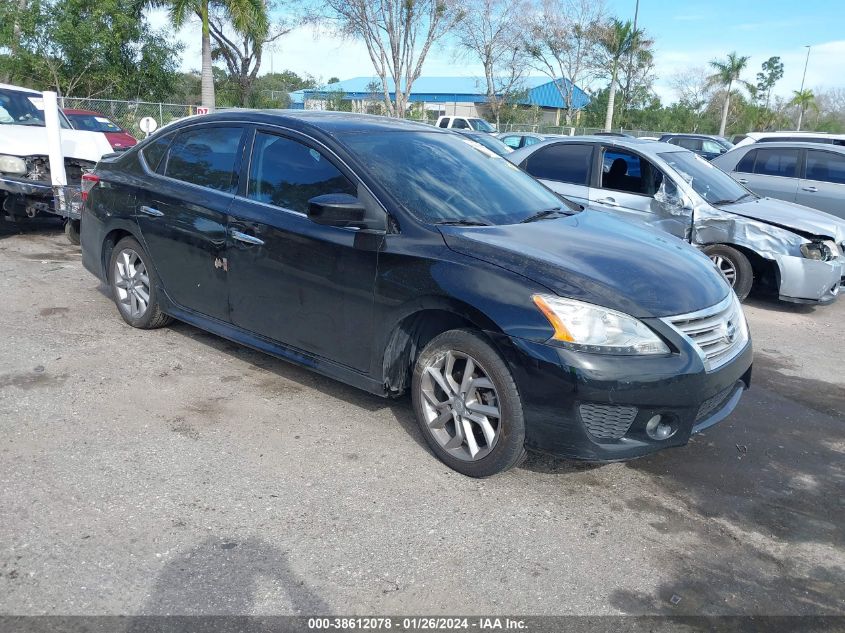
{"x": 791, "y": 250}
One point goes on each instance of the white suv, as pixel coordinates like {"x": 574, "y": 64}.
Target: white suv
{"x": 741, "y": 140}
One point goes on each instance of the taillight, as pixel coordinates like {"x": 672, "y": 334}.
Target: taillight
{"x": 89, "y": 180}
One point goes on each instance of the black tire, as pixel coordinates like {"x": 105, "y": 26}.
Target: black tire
{"x": 72, "y": 231}
{"x": 744, "y": 274}
{"x": 152, "y": 317}
{"x": 508, "y": 449}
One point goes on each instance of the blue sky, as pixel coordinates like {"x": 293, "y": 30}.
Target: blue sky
{"x": 687, "y": 33}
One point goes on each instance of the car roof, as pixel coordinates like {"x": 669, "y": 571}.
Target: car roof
{"x": 18, "y": 88}
{"x": 839, "y": 149}
{"x": 759, "y": 135}
{"x": 74, "y": 111}
{"x": 646, "y": 147}
{"x": 714, "y": 137}
{"x": 328, "y": 122}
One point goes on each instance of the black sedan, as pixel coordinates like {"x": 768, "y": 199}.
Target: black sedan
{"x": 397, "y": 257}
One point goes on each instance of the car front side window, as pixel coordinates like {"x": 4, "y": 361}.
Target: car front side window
{"x": 287, "y": 173}
{"x": 206, "y": 156}
{"x": 825, "y": 167}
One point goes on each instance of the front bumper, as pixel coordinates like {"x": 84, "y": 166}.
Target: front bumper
{"x": 805, "y": 280}
{"x": 570, "y": 399}
{"x": 33, "y": 197}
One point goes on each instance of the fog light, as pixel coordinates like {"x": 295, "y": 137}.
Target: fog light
{"x": 659, "y": 429}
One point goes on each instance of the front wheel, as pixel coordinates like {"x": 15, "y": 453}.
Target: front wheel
{"x": 734, "y": 266}
{"x": 134, "y": 287}
{"x": 467, "y": 405}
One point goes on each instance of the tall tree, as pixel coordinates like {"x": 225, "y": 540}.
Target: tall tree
{"x": 694, "y": 92}
{"x": 242, "y": 51}
{"x": 771, "y": 72}
{"x": 618, "y": 40}
{"x": 398, "y": 35}
{"x": 490, "y": 31}
{"x": 562, "y": 41}
{"x": 803, "y": 99}
{"x": 727, "y": 74}
{"x": 248, "y": 17}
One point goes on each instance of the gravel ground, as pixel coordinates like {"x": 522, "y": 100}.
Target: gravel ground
{"x": 174, "y": 472}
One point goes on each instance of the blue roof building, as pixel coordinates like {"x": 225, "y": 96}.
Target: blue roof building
{"x": 445, "y": 93}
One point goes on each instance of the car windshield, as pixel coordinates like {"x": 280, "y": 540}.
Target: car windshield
{"x": 448, "y": 178}
{"x": 707, "y": 180}
{"x": 92, "y": 123}
{"x": 21, "y": 108}
{"x": 481, "y": 125}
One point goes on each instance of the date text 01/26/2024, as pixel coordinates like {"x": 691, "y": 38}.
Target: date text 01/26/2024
{"x": 417, "y": 623}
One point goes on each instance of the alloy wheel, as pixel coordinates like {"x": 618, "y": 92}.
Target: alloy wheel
{"x": 726, "y": 267}
{"x": 460, "y": 405}
{"x": 131, "y": 283}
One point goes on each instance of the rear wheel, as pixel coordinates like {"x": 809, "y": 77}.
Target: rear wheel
{"x": 734, "y": 266}
{"x": 134, "y": 286}
{"x": 72, "y": 231}
{"x": 467, "y": 405}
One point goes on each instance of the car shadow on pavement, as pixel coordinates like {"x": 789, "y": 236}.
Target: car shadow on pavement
{"x": 227, "y": 576}
{"x": 38, "y": 226}
{"x": 771, "y": 303}
{"x": 400, "y": 408}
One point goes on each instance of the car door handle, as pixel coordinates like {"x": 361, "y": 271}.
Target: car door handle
{"x": 811, "y": 188}
{"x": 150, "y": 211}
{"x": 608, "y": 201}
{"x": 742, "y": 181}
{"x": 245, "y": 238}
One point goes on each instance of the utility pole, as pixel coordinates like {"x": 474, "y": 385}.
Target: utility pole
{"x": 801, "y": 91}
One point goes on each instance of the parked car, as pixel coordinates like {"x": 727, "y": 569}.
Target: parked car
{"x": 704, "y": 145}
{"x": 518, "y": 140}
{"x": 807, "y": 173}
{"x": 397, "y": 257}
{"x": 26, "y": 189}
{"x": 465, "y": 123}
{"x": 120, "y": 139}
{"x": 741, "y": 140}
{"x": 487, "y": 140}
{"x": 795, "y": 251}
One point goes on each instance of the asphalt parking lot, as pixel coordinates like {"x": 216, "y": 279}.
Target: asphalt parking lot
{"x": 174, "y": 472}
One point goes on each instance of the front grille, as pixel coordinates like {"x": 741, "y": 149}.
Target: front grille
{"x": 607, "y": 421}
{"x": 714, "y": 403}
{"x": 717, "y": 333}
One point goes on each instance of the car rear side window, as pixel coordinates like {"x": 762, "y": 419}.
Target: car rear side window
{"x": 825, "y": 167}
{"x": 206, "y": 157}
{"x": 777, "y": 162}
{"x": 693, "y": 144}
{"x": 287, "y": 174}
{"x": 154, "y": 152}
{"x": 746, "y": 163}
{"x": 562, "y": 162}
{"x": 445, "y": 122}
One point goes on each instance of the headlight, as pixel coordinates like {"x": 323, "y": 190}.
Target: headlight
{"x": 591, "y": 328}
{"x": 12, "y": 165}
{"x": 816, "y": 250}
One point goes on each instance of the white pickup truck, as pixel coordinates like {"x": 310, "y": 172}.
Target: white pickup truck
{"x": 25, "y": 185}
{"x": 465, "y": 123}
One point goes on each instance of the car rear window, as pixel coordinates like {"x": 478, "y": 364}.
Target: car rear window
{"x": 562, "y": 162}
{"x": 777, "y": 162}
{"x": 206, "y": 157}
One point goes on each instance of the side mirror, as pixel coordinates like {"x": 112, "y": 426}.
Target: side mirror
{"x": 337, "y": 209}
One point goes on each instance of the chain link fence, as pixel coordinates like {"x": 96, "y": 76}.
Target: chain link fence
{"x": 127, "y": 114}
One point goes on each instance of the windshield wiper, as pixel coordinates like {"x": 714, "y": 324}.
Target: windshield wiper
{"x": 464, "y": 222}
{"x": 743, "y": 196}
{"x": 545, "y": 213}
{"x": 720, "y": 202}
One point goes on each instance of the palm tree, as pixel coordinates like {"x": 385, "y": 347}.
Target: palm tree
{"x": 618, "y": 39}
{"x": 248, "y": 17}
{"x": 803, "y": 99}
{"x": 727, "y": 72}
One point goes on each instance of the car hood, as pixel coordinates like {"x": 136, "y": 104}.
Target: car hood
{"x": 803, "y": 220}
{"x": 30, "y": 140}
{"x": 596, "y": 258}
{"x": 121, "y": 140}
